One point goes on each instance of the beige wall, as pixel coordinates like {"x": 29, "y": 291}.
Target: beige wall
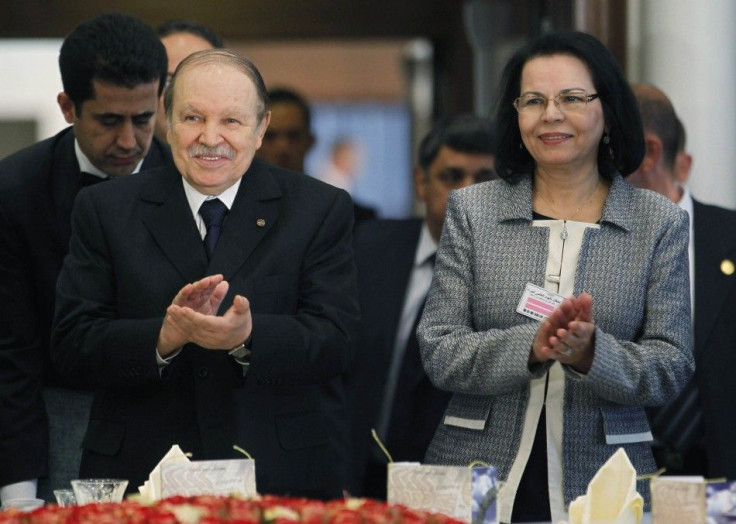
{"x": 331, "y": 70}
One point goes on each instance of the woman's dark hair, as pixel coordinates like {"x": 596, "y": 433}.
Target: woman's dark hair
{"x": 626, "y": 148}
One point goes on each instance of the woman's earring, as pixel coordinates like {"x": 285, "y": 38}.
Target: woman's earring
{"x": 606, "y": 139}
{"x": 521, "y": 145}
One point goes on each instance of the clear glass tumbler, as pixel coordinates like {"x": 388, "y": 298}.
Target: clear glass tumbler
{"x": 88, "y": 491}
{"x": 65, "y": 497}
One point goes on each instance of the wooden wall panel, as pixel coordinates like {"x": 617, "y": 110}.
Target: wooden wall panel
{"x": 244, "y": 21}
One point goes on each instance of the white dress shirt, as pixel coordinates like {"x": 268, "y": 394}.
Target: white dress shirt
{"x": 686, "y": 203}
{"x": 88, "y": 167}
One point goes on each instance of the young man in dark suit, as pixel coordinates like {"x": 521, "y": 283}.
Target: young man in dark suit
{"x": 387, "y": 385}
{"x": 696, "y": 433}
{"x": 112, "y": 69}
{"x": 212, "y": 302}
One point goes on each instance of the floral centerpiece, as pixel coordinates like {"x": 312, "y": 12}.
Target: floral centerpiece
{"x": 208, "y": 509}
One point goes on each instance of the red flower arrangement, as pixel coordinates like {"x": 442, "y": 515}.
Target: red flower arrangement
{"x": 208, "y": 509}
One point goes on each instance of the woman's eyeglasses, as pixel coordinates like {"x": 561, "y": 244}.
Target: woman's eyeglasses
{"x": 566, "y": 101}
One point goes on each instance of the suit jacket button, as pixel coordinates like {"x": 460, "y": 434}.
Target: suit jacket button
{"x": 202, "y": 372}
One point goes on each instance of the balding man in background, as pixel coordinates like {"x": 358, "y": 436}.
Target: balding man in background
{"x": 181, "y": 38}
{"x": 695, "y": 434}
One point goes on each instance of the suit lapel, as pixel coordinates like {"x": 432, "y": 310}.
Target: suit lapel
{"x": 400, "y": 271}
{"x": 254, "y": 213}
{"x": 711, "y": 285}
{"x": 167, "y": 216}
{"x": 65, "y": 176}
{"x": 64, "y": 184}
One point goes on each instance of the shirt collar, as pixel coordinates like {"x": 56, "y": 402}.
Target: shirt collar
{"x": 686, "y": 201}
{"x": 426, "y": 247}
{"x": 86, "y": 166}
{"x": 195, "y": 198}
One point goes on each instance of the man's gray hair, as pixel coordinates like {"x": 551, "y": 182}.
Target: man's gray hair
{"x": 220, "y": 57}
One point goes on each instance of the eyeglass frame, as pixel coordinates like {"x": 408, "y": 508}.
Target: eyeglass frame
{"x": 587, "y": 98}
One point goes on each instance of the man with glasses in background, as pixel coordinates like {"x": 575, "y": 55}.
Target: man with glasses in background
{"x": 387, "y": 387}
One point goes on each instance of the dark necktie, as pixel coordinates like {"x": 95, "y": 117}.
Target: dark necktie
{"x": 417, "y": 406}
{"x": 213, "y": 213}
{"x": 88, "y": 179}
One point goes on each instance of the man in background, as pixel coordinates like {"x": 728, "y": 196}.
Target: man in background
{"x": 696, "y": 433}
{"x": 112, "y": 69}
{"x": 181, "y": 38}
{"x": 387, "y": 387}
{"x": 151, "y": 260}
{"x": 289, "y": 137}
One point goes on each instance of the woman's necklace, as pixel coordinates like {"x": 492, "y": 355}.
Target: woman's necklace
{"x": 563, "y": 235}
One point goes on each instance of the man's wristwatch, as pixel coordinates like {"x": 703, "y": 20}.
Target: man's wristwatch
{"x": 242, "y": 352}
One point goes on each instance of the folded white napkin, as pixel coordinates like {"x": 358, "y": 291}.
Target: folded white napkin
{"x": 611, "y": 497}
{"x": 151, "y": 489}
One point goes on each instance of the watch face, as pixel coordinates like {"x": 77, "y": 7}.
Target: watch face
{"x": 240, "y": 352}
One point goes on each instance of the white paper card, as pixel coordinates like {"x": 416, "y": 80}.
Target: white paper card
{"x": 457, "y": 491}
{"x": 678, "y": 500}
{"x": 209, "y": 477}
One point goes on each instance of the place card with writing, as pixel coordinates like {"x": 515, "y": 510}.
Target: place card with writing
{"x": 464, "y": 493}
{"x": 209, "y": 477}
{"x": 678, "y": 500}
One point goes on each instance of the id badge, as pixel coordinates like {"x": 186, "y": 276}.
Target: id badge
{"x": 538, "y": 303}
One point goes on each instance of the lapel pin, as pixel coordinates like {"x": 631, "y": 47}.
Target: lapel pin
{"x": 261, "y": 222}
{"x": 727, "y": 267}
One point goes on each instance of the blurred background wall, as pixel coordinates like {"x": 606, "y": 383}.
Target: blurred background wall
{"x": 380, "y": 72}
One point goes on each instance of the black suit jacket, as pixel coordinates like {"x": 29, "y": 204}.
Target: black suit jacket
{"x": 384, "y": 253}
{"x": 286, "y": 246}
{"x": 37, "y": 189}
{"x": 714, "y": 234}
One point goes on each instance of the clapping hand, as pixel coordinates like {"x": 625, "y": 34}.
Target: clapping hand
{"x": 192, "y": 317}
{"x": 567, "y": 334}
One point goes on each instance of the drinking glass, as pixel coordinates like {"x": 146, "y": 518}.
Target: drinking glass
{"x": 65, "y": 497}
{"x": 88, "y": 491}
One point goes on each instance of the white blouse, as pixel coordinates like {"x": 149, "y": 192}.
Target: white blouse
{"x": 565, "y": 242}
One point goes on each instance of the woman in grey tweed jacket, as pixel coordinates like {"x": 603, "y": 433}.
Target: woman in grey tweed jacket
{"x": 619, "y": 343}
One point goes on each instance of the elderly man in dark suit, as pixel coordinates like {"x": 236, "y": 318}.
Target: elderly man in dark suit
{"x": 212, "y": 303}
{"x": 696, "y": 433}
{"x": 388, "y": 388}
{"x": 112, "y": 69}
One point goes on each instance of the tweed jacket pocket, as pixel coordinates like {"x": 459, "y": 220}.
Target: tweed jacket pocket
{"x": 468, "y": 411}
{"x": 625, "y": 425}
